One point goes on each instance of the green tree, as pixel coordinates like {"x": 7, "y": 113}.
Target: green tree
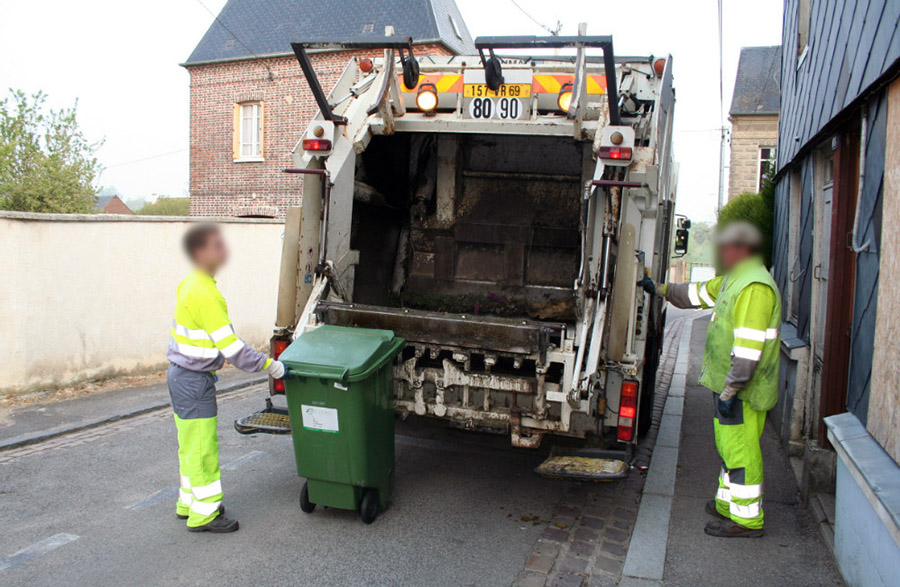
{"x": 46, "y": 163}
{"x": 167, "y": 207}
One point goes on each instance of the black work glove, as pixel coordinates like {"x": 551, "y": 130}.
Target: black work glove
{"x": 648, "y": 284}
{"x": 725, "y": 407}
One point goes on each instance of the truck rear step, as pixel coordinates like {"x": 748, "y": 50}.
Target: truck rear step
{"x": 271, "y": 420}
{"x": 585, "y": 465}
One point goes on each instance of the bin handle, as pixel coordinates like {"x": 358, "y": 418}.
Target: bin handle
{"x": 339, "y": 374}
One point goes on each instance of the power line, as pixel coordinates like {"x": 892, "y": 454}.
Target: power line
{"x": 236, "y": 38}
{"x": 553, "y": 32}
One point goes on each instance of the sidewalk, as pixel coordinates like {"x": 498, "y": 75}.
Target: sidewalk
{"x": 791, "y": 553}
{"x": 40, "y": 421}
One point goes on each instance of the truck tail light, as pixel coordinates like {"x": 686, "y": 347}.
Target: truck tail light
{"x": 627, "y": 411}
{"x": 623, "y": 153}
{"x": 318, "y": 145}
{"x": 278, "y": 347}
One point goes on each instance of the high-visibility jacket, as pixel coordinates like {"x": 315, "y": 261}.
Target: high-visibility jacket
{"x": 743, "y": 340}
{"x": 202, "y": 335}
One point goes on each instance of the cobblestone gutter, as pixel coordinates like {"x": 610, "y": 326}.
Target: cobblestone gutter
{"x": 588, "y": 538}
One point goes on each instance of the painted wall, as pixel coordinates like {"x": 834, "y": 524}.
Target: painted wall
{"x": 83, "y": 296}
{"x": 884, "y": 401}
{"x": 748, "y": 135}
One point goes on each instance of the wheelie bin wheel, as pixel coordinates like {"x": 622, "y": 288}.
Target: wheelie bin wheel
{"x": 306, "y": 505}
{"x": 368, "y": 507}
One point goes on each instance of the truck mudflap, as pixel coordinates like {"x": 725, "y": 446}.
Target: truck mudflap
{"x": 586, "y": 465}
{"x": 270, "y": 420}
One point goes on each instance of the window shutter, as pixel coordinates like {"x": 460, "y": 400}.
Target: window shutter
{"x": 236, "y": 141}
{"x": 262, "y": 126}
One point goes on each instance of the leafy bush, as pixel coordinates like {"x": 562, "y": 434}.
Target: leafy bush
{"x": 756, "y": 209}
{"x": 167, "y": 207}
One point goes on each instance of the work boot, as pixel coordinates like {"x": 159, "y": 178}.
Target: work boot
{"x": 185, "y": 517}
{"x": 219, "y": 525}
{"x": 712, "y": 510}
{"x": 729, "y": 529}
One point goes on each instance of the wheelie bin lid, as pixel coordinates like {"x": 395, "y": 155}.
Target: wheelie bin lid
{"x": 341, "y": 353}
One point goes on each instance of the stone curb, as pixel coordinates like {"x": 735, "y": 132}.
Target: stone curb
{"x": 646, "y": 559}
{"x": 36, "y": 437}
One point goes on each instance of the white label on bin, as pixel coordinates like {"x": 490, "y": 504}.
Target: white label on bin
{"x": 341, "y": 387}
{"x": 322, "y": 419}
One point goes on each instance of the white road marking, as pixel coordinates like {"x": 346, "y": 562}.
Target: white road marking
{"x": 241, "y": 461}
{"x": 37, "y": 549}
{"x": 171, "y": 492}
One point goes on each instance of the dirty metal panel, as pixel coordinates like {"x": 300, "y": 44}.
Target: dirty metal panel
{"x": 514, "y": 336}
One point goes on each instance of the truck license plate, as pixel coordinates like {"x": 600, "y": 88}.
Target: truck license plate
{"x": 499, "y": 108}
{"x": 505, "y": 90}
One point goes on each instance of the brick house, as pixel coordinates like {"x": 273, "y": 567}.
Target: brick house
{"x": 754, "y": 118}
{"x": 249, "y": 99}
{"x": 111, "y": 205}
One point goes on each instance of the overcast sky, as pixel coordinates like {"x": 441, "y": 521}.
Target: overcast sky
{"x": 120, "y": 61}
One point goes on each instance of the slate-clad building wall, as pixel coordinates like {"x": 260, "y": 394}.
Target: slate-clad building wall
{"x": 834, "y": 133}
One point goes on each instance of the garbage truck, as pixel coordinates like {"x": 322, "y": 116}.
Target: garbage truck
{"x": 496, "y": 211}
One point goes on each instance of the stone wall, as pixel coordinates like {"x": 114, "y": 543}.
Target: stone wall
{"x": 86, "y": 296}
{"x": 748, "y": 134}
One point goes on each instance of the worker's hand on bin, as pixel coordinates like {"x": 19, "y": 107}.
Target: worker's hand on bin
{"x": 648, "y": 284}
{"x": 277, "y": 370}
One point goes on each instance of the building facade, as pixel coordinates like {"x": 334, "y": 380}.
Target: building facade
{"x": 249, "y": 99}
{"x": 754, "y": 118}
{"x": 835, "y": 262}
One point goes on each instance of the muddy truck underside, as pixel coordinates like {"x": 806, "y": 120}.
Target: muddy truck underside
{"x": 504, "y": 247}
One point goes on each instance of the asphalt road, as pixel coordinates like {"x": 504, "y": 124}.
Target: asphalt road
{"x": 98, "y": 509}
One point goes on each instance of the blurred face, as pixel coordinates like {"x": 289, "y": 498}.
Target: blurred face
{"x": 212, "y": 255}
{"x": 731, "y": 255}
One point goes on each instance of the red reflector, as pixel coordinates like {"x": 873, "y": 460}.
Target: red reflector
{"x": 278, "y": 347}
{"x": 325, "y": 145}
{"x": 278, "y": 386}
{"x": 614, "y": 153}
{"x": 627, "y": 411}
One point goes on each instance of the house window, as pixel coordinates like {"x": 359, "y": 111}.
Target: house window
{"x": 765, "y": 166}
{"x": 803, "y": 15}
{"x": 248, "y": 131}
{"x": 455, "y": 26}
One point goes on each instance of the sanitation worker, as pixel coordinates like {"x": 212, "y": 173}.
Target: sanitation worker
{"x": 740, "y": 367}
{"x": 202, "y": 338}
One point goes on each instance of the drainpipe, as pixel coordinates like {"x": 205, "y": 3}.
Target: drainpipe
{"x": 863, "y": 137}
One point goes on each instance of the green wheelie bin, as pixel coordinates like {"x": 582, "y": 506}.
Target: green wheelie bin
{"x": 341, "y": 407}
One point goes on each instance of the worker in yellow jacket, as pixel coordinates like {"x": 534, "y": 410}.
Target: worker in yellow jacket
{"x": 202, "y": 338}
{"x": 740, "y": 367}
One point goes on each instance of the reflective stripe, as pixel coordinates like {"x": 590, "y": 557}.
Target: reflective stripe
{"x": 704, "y": 295}
{"x": 723, "y": 495}
{"x": 185, "y": 497}
{"x": 198, "y": 352}
{"x": 222, "y": 333}
{"x": 233, "y": 348}
{"x": 185, "y": 482}
{"x": 207, "y": 491}
{"x": 745, "y": 353}
{"x": 191, "y": 334}
{"x": 750, "y": 334}
{"x": 743, "y": 511}
{"x": 771, "y": 333}
{"x": 746, "y": 491}
{"x": 205, "y": 509}
{"x": 692, "y": 294}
